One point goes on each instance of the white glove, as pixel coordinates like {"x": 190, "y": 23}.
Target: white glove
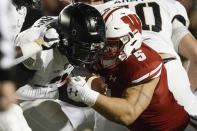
{"x": 79, "y": 91}
{"x": 51, "y": 37}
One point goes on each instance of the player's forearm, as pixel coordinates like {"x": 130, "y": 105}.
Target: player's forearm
{"x": 188, "y": 47}
{"x": 115, "y": 109}
{"x": 28, "y": 93}
{"x": 127, "y": 109}
{"x": 192, "y": 73}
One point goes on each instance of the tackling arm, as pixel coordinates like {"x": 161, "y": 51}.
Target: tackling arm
{"x": 27, "y": 92}
{"x": 127, "y": 109}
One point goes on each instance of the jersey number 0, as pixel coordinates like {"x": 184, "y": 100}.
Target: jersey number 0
{"x": 140, "y": 10}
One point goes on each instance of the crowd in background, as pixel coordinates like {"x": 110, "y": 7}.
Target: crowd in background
{"x": 191, "y": 7}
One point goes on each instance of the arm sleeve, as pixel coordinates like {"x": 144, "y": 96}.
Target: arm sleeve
{"x": 26, "y": 41}
{"x": 27, "y": 92}
{"x": 180, "y": 24}
{"x": 178, "y": 32}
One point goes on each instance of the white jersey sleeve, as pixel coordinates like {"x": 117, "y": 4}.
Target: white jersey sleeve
{"x": 30, "y": 35}
{"x": 36, "y": 31}
{"x": 180, "y": 24}
{"x": 178, "y": 32}
{"x": 179, "y": 12}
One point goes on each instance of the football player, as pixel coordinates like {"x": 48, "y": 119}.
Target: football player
{"x": 82, "y": 37}
{"x": 164, "y": 28}
{"x": 137, "y": 78}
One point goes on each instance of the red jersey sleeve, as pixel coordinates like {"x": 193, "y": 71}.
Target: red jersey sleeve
{"x": 144, "y": 65}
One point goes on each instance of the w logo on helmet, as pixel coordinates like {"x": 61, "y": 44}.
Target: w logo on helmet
{"x": 133, "y": 21}
{"x": 122, "y": 14}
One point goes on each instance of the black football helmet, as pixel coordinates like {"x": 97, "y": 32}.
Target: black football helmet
{"x": 82, "y": 32}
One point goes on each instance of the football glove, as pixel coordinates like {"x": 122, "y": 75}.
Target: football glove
{"x": 79, "y": 91}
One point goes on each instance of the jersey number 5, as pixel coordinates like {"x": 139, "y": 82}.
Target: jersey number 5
{"x": 145, "y": 8}
{"x": 140, "y": 55}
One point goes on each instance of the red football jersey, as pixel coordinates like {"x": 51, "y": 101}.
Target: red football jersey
{"x": 163, "y": 113}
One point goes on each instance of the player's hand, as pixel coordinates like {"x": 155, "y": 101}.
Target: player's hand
{"x": 79, "y": 91}
{"x": 50, "y": 39}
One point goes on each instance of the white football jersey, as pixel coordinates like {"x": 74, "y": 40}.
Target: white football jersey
{"x": 157, "y": 17}
{"x": 50, "y": 65}
{"x": 13, "y": 120}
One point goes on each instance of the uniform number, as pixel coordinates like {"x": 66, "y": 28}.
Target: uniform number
{"x": 140, "y": 55}
{"x": 143, "y": 10}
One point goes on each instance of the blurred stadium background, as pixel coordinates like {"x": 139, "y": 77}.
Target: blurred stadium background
{"x": 191, "y": 7}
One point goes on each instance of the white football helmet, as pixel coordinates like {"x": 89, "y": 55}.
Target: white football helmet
{"x": 123, "y": 32}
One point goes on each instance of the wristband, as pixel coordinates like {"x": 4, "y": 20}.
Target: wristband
{"x": 89, "y": 96}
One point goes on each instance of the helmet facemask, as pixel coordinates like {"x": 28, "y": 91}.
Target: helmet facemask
{"x": 84, "y": 53}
